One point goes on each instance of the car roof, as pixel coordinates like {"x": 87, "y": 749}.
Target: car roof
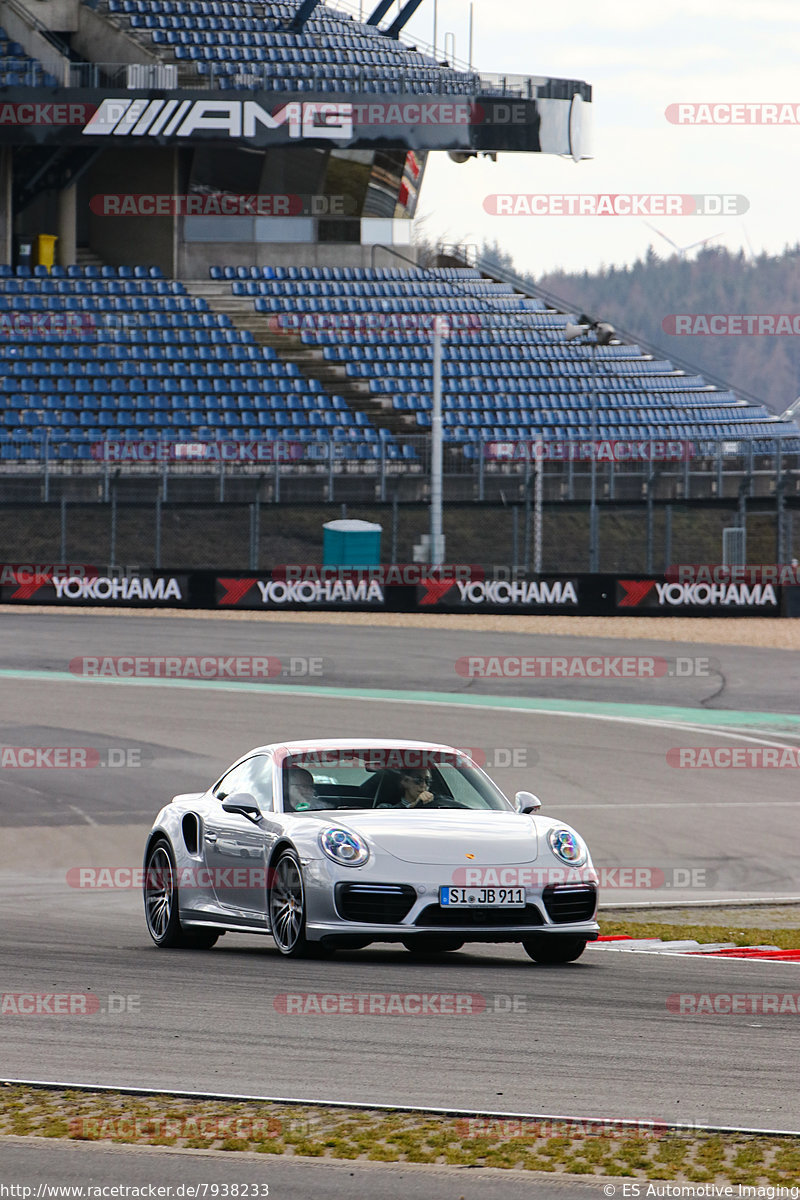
{"x": 350, "y": 743}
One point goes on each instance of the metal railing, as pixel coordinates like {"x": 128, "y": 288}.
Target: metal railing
{"x": 476, "y": 468}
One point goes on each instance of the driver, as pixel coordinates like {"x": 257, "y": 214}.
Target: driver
{"x": 302, "y": 792}
{"x": 413, "y": 790}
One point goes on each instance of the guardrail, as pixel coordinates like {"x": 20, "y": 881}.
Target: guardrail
{"x": 398, "y": 466}
{"x": 184, "y": 75}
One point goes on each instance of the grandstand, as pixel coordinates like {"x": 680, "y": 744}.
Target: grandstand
{"x": 194, "y": 327}
{"x": 248, "y": 45}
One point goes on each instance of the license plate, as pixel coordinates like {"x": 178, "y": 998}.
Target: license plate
{"x": 493, "y": 897}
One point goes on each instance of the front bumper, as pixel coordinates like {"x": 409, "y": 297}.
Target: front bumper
{"x": 361, "y": 909}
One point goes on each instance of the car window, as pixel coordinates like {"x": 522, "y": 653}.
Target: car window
{"x": 254, "y": 775}
{"x": 367, "y": 778}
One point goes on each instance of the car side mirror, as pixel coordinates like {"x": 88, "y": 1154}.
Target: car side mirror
{"x": 526, "y": 802}
{"x": 244, "y": 804}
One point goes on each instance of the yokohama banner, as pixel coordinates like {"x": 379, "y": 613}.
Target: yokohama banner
{"x": 525, "y": 595}
{"x": 144, "y": 590}
{"x": 393, "y": 589}
{"x": 664, "y": 597}
{"x": 267, "y": 592}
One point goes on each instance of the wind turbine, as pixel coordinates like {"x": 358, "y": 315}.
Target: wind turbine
{"x": 683, "y": 250}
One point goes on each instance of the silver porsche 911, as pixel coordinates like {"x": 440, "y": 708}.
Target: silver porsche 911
{"x": 336, "y": 844}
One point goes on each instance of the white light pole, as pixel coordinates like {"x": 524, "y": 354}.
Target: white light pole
{"x": 441, "y": 329}
{"x": 593, "y": 334}
{"x": 594, "y": 549}
{"x": 537, "y": 507}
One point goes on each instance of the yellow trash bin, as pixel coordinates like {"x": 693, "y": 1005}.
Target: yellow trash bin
{"x": 46, "y": 250}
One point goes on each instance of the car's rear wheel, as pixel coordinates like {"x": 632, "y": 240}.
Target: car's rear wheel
{"x": 553, "y": 950}
{"x": 422, "y": 947}
{"x": 161, "y": 904}
{"x": 287, "y": 907}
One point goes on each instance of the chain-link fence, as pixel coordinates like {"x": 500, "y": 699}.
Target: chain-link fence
{"x": 254, "y": 504}
{"x": 260, "y": 536}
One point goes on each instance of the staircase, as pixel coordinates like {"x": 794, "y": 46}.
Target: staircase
{"x": 87, "y": 258}
{"x": 309, "y": 359}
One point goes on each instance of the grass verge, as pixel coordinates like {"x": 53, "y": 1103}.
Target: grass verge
{"x": 649, "y": 1151}
{"x": 784, "y": 939}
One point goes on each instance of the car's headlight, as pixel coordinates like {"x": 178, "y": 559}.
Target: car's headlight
{"x": 567, "y": 846}
{"x": 344, "y": 847}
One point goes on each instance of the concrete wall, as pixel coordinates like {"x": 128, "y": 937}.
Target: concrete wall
{"x": 59, "y": 15}
{"x": 97, "y": 40}
{"x": 34, "y": 44}
{"x": 6, "y": 228}
{"x": 195, "y": 259}
{"x": 134, "y": 240}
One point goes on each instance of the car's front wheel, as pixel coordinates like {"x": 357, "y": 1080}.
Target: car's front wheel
{"x": 161, "y": 905}
{"x": 553, "y": 950}
{"x": 287, "y": 906}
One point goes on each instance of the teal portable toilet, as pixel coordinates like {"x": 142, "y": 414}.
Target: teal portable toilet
{"x": 349, "y": 543}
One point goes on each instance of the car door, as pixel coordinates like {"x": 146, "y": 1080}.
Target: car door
{"x": 235, "y": 847}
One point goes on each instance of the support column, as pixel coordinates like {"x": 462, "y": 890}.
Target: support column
{"x": 6, "y": 205}
{"x": 67, "y": 226}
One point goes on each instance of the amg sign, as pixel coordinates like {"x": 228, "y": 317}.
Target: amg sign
{"x": 240, "y": 119}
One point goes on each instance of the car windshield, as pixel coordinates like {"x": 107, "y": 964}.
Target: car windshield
{"x": 319, "y": 780}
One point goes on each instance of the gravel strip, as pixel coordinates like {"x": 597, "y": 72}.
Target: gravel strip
{"x": 761, "y": 632}
{"x": 786, "y": 916}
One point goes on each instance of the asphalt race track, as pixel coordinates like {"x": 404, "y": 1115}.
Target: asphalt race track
{"x": 595, "y": 1038}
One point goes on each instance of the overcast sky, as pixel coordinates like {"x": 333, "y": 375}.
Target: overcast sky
{"x": 640, "y": 56}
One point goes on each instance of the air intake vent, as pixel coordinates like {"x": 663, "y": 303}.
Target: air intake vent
{"x": 190, "y": 833}
{"x": 567, "y": 902}
{"x": 375, "y": 903}
{"x": 434, "y": 915}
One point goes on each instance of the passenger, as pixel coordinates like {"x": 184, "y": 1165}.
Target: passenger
{"x": 302, "y": 792}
